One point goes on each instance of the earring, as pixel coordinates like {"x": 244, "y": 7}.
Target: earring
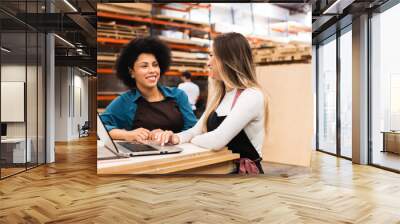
{"x": 131, "y": 72}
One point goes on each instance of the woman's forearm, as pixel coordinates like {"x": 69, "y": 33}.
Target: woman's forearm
{"x": 138, "y": 134}
{"x": 119, "y": 134}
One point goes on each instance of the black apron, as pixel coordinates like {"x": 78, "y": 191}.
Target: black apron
{"x": 240, "y": 144}
{"x": 163, "y": 114}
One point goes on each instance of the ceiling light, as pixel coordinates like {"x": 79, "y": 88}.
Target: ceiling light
{"x": 86, "y": 72}
{"x": 65, "y": 41}
{"x": 5, "y": 49}
{"x": 70, "y": 5}
{"x": 338, "y": 6}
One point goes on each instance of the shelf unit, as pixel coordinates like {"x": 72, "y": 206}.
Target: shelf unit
{"x": 109, "y": 45}
{"x": 152, "y": 21}
{"x": 191, "y": 48}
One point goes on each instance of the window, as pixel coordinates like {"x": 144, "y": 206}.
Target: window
{"x": 22, "y": 75}
{"x": 346, "y": 93}
{"x": 327, "y": 96}
{"x": 385, "y": 89}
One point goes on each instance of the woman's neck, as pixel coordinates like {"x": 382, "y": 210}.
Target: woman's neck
{"x": 151, "y": 94}
{"x": 228, "y": 89}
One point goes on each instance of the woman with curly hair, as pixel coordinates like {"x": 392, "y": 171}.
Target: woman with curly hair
{"x": 237, "y": 110}
{"x": 148, "y": 106}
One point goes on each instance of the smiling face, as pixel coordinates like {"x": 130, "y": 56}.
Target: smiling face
{"x": 146, "y": 71}
{"x": 213, "y": 65}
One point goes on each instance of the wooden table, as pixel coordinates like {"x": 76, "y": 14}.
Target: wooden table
{"x": 391, "y": 141}
{"x": 192, "y": 160}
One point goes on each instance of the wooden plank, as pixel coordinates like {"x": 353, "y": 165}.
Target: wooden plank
{"x": 183, "y": 41}
{"x": 219, "y": 168}
{"x": 138, "y": 6}
{"x": 109, "y": 93}
{"x": 109, "y": 71}
{"x": 189, "y": 55}
{"x": 114, "y": 25}
{"x": 169, "y": 165}
{"x": 106, "y": 58}
{"x": 116, "y": 36}
{"x": 122, "y": 10}
{"x": 181, "y": 20}
{"x": 113, "y": 30}
{"x": 291, "y": 107}
{"x": 285, "y": 53}
{"x": 104, "y": 40}
{"x": 191, "y": 61}
{"x": 153, "y": 21}
{"x": 120, "y": 32}
{"x": 183, "y": 68}
{"x": 177, "y": 73}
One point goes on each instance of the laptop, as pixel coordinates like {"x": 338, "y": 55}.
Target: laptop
{"x": 130, "y": 149}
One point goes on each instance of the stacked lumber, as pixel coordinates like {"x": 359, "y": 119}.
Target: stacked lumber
{"x": 278, "y": 52}
{"x": 182, "y": 41}
{"x": 188, "y": 61}
{"x": 118, "y": 31}
{"x": 106, "y": 60}
{"x": 291, "y": 27}
{"x": 182, "y": 20}
{"x": 181, "y": 61}
{"x": 136, "y": 9}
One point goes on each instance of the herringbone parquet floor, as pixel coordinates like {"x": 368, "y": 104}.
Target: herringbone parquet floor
{"x": 69, "y": 191}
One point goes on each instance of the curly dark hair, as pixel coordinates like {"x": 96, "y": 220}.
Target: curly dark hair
{"x": 131, "y": 52}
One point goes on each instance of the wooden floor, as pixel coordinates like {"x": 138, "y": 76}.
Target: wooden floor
{"x": 69, "y": 191}
{"x": 10, "y": 171}
{"x": 387, "y": 159}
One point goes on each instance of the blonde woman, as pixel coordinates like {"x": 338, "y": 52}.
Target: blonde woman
{"x": 236, "y": 113}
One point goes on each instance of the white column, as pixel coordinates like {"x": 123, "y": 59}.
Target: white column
{"x": 360, "y": 90}
{"x": 50, "y": 98}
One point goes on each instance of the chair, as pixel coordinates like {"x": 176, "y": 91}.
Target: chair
{"x": 84, "y": 130}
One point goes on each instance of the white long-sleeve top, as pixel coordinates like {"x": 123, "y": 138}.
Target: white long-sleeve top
{"x": 248, "y": 114}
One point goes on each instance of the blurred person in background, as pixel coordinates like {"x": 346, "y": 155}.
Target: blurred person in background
{"x": 190, "y": 88}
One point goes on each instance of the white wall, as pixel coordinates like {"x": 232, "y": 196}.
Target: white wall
{"x": 33, "y": 127}
{"x": 14, "y": 72}
{"x": 71, "y": 102}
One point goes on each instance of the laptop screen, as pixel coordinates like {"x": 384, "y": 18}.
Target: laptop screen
{"x": 104, "y": 136}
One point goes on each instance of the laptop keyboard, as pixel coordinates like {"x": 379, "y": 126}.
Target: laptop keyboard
{"x": 136, "y": 147}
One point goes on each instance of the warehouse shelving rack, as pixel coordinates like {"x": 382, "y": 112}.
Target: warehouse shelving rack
{"x": 192, "y": 28}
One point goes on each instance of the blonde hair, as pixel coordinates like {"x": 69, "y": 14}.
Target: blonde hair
{"x": 236, "y": 68}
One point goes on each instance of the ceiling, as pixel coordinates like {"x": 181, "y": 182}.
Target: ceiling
{"x": 76, "y": 24}
{"x": 328, "y": 16}
{"x": 297, "y": 7}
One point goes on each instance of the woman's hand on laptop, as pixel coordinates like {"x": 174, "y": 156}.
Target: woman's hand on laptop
{"x": 153, "y": 134}
{"x": 139, "y": 134}
{"x": 164, "y": 137}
